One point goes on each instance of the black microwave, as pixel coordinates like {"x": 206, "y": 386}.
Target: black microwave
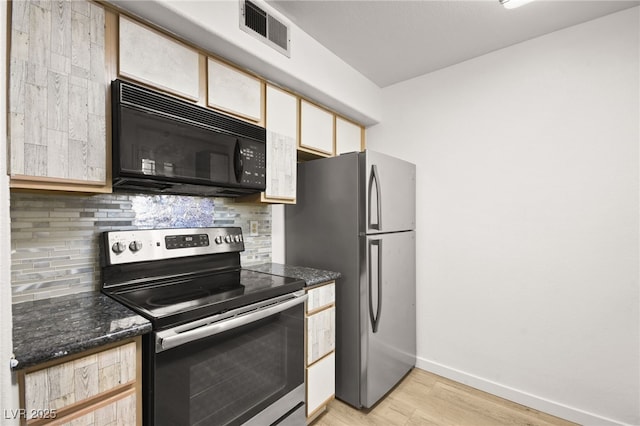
{"x": 165, "y": 145}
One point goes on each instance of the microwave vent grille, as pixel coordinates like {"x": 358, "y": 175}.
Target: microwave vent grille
{"x": 141, "y": 98}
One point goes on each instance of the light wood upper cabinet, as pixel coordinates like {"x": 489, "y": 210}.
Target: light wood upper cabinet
{"x": 234, "y": 91}
{"x": 57, "y": 96}
{"x": 316, "y": 129}
{"x": 63, "y": 57}
{"x": 152, "y": 58}
{"x": 282, "y": 130}
{"x": 348, "y": 136}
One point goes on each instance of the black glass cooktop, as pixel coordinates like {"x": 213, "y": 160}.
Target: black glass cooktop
{"x": 181, "y": 299}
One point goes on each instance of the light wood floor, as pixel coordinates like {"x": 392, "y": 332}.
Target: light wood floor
{"x": 422, "y": 398}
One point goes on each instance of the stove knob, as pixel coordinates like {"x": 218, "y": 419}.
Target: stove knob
{"x": 236, "y": 238}
{"x": 228, "y": 239}
{"x": 218, "y": 239}
{"x": 118, "y": 248}
{"x": 135, "y": 245}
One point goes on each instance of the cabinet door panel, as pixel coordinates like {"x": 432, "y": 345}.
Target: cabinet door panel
{"x": 321, "y": 334}
{"x": 57, "y": 90}
{"x": 321, "y": 383}
{"x": 64, "y": 384}
{"x": 316, "y": 128}
{"x": 320, "y": 297}
{"x": 154, "y": 59}
{"x": 233, "y": 91}
{"x": 348, "y": 136}
{"x": 121, "y": 411}
{"x": 282, "y": 125}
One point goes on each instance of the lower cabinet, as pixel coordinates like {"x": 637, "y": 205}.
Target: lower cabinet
{"x": 321, "y": 385}
{"x": 98, "y": 388}
{"x": 118, "y": 410}
{"x": 320, "y": 320}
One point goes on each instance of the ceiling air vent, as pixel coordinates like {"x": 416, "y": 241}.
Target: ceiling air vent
{"x": 264, "y": 26}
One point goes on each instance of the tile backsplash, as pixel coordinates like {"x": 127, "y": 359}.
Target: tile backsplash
{"x": 54, "y": 238}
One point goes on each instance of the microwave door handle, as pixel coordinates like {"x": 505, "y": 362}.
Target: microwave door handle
{"x": 238, "y": 163}
{"x": 374, "y": 178}
{"x": 375, "y": 318}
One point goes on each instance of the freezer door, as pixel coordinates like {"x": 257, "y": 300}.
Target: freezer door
{"x": 390, "y": 188}
{"x": 387, "y": 313}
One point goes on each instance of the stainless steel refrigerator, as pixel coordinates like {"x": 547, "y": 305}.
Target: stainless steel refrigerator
{"x": 355, "y": 214}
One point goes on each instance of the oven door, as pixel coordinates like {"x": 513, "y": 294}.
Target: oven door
{"x": 245, "y": 365}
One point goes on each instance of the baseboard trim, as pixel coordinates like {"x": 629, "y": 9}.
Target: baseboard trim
{"x": 538, "y": 403}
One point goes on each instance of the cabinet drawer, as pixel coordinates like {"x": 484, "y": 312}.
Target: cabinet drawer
{"x": 320, "y": 297}
{"x": 321, "y": 383}
{"x": 321, "y": 334}
{"x": 70, "y": 382}
{"x": 120, "y": 410}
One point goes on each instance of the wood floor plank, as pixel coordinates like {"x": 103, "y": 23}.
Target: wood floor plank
{"x": 425, "y": 399}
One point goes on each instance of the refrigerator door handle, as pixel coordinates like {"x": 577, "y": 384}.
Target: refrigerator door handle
{"x": 373, "y": 177}
{"x": 375, "y": 318}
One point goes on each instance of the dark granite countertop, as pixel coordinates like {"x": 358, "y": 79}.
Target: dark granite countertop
{"x": 48, "y": 329}
{"x": 311, "y": 276}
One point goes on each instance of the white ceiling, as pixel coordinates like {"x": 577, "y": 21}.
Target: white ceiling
{"x": 392, "y": 41}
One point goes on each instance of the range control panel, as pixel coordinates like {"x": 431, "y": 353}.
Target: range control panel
{"x": 120, "y": 247}
{"x": 184, "y": 241}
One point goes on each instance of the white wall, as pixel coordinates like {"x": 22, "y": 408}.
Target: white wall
{"x": 8, "y": 396}
{"x": 312, "y": 70}
{"x": 528, "y": 218}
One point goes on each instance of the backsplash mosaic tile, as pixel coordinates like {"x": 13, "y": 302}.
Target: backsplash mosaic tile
{"x": 54, "y": 238}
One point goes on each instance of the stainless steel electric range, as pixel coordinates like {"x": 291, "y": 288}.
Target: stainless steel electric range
{"x": 227, "y": 345}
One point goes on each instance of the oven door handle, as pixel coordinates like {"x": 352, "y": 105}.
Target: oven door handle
{"x": 171, "y": 338}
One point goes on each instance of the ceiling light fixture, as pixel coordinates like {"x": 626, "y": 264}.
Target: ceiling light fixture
{"x": 512, "y": 4}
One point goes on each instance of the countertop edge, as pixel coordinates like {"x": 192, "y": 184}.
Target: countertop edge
{"x": 74, "y": 349}
{"x": 311, "y": 276}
